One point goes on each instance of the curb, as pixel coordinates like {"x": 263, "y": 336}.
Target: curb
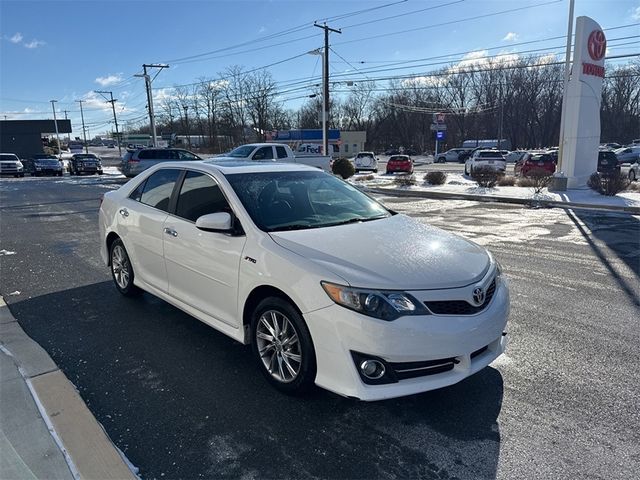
{"x": 85, "y": 445}
{"x": 483, "y": 198}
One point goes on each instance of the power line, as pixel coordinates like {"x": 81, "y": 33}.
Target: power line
{"x": 451, "y": 22}
{"x": 288, "y": 31}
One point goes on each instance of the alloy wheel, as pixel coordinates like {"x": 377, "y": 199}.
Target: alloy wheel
{"x": 120, "y": 266}
{"x": 279, "y": 346}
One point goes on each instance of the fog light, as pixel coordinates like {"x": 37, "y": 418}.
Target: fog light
{"x": 372, "y": 369}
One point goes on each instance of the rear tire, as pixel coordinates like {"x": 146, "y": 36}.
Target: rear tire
{"x": 282, "y": 346}
{"x": 122, "y": 270}
{"x": 632, "y": 176}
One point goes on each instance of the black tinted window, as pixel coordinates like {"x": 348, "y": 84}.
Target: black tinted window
{"x": 282, "y": 152}
{"x": 200, "y": 195}
{"x": 185, "y": 155}
{"x": 264, "y": 153}
{"x": 158, "y": 187}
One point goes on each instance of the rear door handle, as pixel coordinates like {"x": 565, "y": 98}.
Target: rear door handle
{"x": 124, "y": 212}
{"x": 170, "y": 231}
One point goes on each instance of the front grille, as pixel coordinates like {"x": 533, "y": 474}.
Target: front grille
{"x": 420, "y": 369}
{"x": 461, "y": 307}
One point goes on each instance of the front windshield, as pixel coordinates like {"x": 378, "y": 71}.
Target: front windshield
{"x": 47, "y": 161}
{"x": 241, "y": 152}
{"x": 278, "y": 201}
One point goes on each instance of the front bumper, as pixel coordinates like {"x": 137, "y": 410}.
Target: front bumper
{"x": 472, "y": 341}
{"x": 89, "y": 169}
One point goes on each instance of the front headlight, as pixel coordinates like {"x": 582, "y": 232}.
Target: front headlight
{"x": 384, "y": 305}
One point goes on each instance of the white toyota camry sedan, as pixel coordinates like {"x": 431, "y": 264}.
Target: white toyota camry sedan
{"x": 327, "y": 285}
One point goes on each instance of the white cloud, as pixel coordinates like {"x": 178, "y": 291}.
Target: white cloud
{"x": 635, "y": 13}
{"x": 17, "y": 38}
{"x": 262, "y": 29}
{"x": 34, "y": 44}
{"x": 109, "y": 80}
{"x": 510, "y": 37}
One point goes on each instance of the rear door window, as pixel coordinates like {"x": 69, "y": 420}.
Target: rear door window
{"x": 263, "y": 153}
{"x": 185, "y": 155}
{"x": 158, "y": 188}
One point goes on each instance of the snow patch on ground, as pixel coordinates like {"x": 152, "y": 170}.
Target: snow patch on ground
{"x": 460, "y": 184}
{"x": 4, "y": 252}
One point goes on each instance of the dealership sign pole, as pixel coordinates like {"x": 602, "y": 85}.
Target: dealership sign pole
{"x": 581, "y": 118}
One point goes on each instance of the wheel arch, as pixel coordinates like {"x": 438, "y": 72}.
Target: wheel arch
{"x": 258, "y": 294}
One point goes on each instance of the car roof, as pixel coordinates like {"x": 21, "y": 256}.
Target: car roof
{"x": 246, "y": 166}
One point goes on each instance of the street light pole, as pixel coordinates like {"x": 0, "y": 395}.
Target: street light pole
{"x": 84, "y": 131}
{"x": 55, "y": 121}
{"x": 325, "y": 87}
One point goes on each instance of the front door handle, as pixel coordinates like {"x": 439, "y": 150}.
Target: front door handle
{"x": 124, "y": 212}
{"x": 170, "y": 231}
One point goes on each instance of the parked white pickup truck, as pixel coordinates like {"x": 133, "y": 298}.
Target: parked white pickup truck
{"x": 276, "y": 152}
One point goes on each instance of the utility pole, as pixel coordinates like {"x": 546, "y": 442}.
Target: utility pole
{"x": 559, "y": 185}
{"x": 68, "y": 134}
{"x": 147, "y": 82}
{"x": 115, "y": 120}
{"x": 186, "y": 124}
{"x": 55, "y": 121}
{"x": 84, "y": 132}
{"x": 325, "y": 87}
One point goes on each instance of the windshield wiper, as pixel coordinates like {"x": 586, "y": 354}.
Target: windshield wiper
{"x": 356, "y": 220}
{"x": 293, "y": 226}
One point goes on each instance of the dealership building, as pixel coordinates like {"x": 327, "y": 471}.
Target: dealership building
{"x": 24, "y": 137}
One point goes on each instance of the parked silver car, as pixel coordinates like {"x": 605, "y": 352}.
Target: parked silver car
{"x": 628, "y": 154}
{"x": 10, "y": 164}
{"x": 136, "y": 161}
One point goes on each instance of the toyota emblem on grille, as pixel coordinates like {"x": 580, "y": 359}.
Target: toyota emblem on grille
{"x": 478, "y": 296}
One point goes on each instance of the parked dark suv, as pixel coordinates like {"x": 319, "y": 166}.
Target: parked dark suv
{"x": 608, "y": 162}
{"x": 82, "y": 163}
{"x": 134, "y": 162}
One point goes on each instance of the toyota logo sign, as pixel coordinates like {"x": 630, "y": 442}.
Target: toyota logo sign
{"x": 597, "y": 45}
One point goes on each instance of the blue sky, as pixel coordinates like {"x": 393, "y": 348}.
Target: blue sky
{"x": 65, "y": 50}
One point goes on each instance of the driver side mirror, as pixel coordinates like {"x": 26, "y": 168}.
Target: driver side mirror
{"x": 215, "y": 222}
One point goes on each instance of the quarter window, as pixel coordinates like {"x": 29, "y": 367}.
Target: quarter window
{"x": 282, "y": 152}
{"x": 200, "y": 195}
{"x": 158, "y": 187}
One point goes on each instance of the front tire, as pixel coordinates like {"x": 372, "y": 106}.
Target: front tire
{"x": 632, "y": 176}
{"x": 282, "y": 346}
{"x": 122, "y": 270}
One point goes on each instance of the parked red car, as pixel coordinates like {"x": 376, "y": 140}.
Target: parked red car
{"x": 400, "y": 163}
{"x": 535, "y": 161}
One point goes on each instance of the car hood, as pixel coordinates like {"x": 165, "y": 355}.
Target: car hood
{"x": 395, "y": 253}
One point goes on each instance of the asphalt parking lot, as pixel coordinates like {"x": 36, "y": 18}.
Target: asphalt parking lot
{"x": 183, "y": 401}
